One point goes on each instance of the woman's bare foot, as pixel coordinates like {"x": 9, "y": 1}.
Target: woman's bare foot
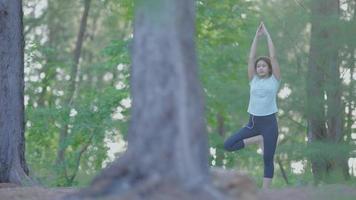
{"x": 254, "y": 140}
{"x": 266, "y": 183}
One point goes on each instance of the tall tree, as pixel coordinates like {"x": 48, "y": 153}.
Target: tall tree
{"x": 13, "y": 167}
{"x": 325, "y": 110}
{"x": 68, "y": 101}
{"x": 167, "y": 141}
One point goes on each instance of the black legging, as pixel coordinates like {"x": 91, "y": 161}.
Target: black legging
{"x": 258, "y": 125}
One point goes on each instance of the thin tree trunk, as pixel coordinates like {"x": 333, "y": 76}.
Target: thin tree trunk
{"x": 350, "y": 100}
{"x": 79, "y": 154}
{"x": 60, "y": 160}
{"x": 315, "y": 93}
{"x": 335, "y": 109}
{"x": 13, "y": 167}
{"x": 284, "y": 175}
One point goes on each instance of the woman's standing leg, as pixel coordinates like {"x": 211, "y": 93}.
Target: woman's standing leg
{"x": 270, "y": 136}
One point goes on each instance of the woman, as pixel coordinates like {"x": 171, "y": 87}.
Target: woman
{"x": 264, "y": 80}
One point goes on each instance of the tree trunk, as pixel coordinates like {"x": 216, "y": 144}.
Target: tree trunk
{"x": 350, "y": 99}
{"x": 167, "y": 139}
{"x": 284, "y": 174}
{"x": 324, "y": 80}
{"x": 338, "y": 166}
{"x": 13, "y": 167}
{"x": 60, "y": 160}
{"x": 315, "y": 92}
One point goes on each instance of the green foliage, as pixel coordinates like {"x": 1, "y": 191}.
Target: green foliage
{"x": 224, "y": 32}
{"x": 92, "y": 122}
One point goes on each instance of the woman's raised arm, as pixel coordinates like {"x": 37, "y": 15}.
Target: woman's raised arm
{"x": 252, "y": 56}
{"x": 272, "y": 54}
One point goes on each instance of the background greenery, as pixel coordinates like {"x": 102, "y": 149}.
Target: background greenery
{"x": 100, "y": 109}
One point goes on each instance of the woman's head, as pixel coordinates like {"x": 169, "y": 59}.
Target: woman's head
{"x": 263, "y": 66}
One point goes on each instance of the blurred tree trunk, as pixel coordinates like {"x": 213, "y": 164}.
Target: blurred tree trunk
{"x": 13, "y": 167}
{"x": 62, "y": 146}
{"x": 325, "y": 116}
{"x": 167, "y": 141}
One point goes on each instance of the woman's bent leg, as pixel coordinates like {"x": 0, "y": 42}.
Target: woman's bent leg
{"x": 235, "y": 142}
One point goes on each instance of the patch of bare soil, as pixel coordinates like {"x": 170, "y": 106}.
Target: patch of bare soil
{"x": 33, "y": 193}
{"x": 329, "y": 192}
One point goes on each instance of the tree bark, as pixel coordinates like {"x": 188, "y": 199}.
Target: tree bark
{"x": 335, "y": 109}
{"x": 167, "y": 139}
{"x": 315, "y": 93}
{"x": 324, "y": 81}
{"x": 13, "y": 167}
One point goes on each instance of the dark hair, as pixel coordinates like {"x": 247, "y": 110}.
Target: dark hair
{"x": 267, "y": 60}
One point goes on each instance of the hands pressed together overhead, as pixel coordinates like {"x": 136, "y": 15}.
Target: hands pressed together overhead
{"x": 262, "y": 30}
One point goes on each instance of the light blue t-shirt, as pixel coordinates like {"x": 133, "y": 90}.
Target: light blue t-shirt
{"x": 263, "y": 94}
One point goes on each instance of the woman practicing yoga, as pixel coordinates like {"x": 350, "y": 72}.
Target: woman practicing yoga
{"x": 264, "y": 80}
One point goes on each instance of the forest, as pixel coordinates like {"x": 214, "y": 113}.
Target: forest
{"x": 133, "y": 99}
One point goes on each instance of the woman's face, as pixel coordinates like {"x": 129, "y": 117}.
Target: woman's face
{"x": 262, "y": 68}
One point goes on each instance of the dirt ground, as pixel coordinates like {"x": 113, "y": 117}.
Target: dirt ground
{"x": 332, "y": 192}
{"x": 33, "y": 193}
